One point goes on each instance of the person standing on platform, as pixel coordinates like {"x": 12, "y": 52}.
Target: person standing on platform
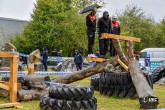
{"x": 104, "y": 26}
{"x": 91, "y": 28}
{"x": 115, "y": 30}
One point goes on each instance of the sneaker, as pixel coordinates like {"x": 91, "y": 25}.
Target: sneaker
{"x": 93, "y": 55}
{"x": 89, "y": 55}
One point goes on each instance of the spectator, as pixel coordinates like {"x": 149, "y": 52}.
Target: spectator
{"x": 54, "y": 53}
{"x": 60, "y": 53}
{"x": 91, "y": 28}
{"x": 45, "y": 57}
{"x": 104, "y": 26}
{"x": 78, "y": 59}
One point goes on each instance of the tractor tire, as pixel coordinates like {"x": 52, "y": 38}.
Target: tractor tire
{"x": 48, "y": 103}
{"x": 71, "y": 92}
{"x": 158, "y": 73}
{"x": 95, "y": 79}
{"x": 119, "y": 84}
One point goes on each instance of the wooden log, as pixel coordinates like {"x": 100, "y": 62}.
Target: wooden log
{"x": 143, "y": 89}
{"x": 98, "y": 68}
{"x": 119, "y": 51}
{"x": 27, "y": 95}
{"x": 4, "y": 92}
{"x": 36, "y": 82}
{"x": 147, "y": 98}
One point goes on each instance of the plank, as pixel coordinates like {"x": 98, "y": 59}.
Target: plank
{"x": 119, "y": 37}
{"x": 8, "y": 84}
{"x": 7, "y": 54}
{"x": 123, "y": 65}
{"x": 13, "y": 78}
{"x": 6, "y": 105}
{"x": 3, "y": 86}
{"x": 96, "y": 59}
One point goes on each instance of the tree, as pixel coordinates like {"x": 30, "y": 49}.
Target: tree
{"x": 56, "y": 24}
{"x": 135, "y": 23}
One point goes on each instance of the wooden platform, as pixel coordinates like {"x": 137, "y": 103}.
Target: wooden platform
{"x": 119, "y": 37}
{"x": 95, "y": 59}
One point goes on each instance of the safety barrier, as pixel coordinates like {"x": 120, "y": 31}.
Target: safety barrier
{"x": 25, "y": 73}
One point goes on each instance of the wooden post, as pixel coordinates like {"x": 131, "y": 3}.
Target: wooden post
{"x": 12, "y": 85}
{"x": 13, "y": 78}
{"x": 31, "y": 69}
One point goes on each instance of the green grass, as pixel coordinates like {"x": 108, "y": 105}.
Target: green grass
{"x": 104, "y": 102}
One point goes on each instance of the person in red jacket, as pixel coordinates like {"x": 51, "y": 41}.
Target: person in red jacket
{"x": 91, "y": 28}
{"x": 115, "y": 30}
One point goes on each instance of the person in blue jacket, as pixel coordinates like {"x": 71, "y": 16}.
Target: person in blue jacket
{"x": 78, "y": 59}
{"x": 45, "y": 57}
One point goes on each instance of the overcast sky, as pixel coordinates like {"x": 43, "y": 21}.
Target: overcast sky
{"x": 21, "y": 9}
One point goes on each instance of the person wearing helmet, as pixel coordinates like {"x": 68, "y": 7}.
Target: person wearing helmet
{"x": 91, "y": 28}
{"x": 104, "y": 26}
{"x": 115, "y": 30}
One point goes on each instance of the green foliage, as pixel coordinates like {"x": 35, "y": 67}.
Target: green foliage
{"x": 54, "y": 24}
{"x": 57, "y": 24}
{"x": 135, "y": 23}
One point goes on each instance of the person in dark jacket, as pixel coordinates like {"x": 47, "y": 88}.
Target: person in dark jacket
{"x": 78, "y": 59}
{"x": 91, "y": 28}
{"x": 104, "y": 26}
{"x": 54, "y": 53}
{"x": 115, "y": 30}
{"x": 45, "y": 57}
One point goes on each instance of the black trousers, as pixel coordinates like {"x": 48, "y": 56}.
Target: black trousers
{"x": 103, "y": 46}
{"x": 45, "y": 65}
{"x": 112, "y": 49}
{"x": 79, "y": 66}
{"x": 91, "y": 39}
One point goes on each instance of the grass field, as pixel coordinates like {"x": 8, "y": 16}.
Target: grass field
{"x": 104, "y": 102}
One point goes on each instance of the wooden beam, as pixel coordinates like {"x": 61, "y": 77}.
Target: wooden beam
{"x": 7, "y": 105}
{"x": 96, "y": 59}
{"x": 8, "y": 84}
{"x": 6, "y": 87}
{"x": 7, "y": 54}
{"x": 119, "y": 37}
{"x": 13, "y": 78}
{"x": 123, "y": 65}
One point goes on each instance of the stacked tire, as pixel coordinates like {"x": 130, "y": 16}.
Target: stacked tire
{"x": 95, "y": 79}
{"x": 69, "y": 97}
{"x": 119, "y": 84}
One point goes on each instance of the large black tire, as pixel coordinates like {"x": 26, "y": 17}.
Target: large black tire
{"x": 58, "y": 104}
{"x": 119, "y": 84}
{"x": 71, "y": 92}
{"x": 158, "y": 73}
{"x": 95, "y": 82}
